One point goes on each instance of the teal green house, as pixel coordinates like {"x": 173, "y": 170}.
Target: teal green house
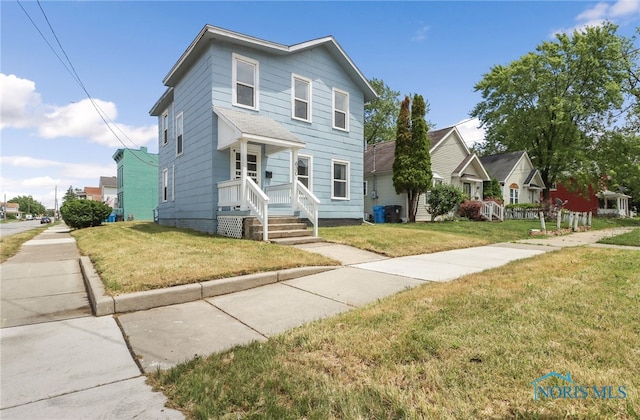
{"x": 137, "y": 184}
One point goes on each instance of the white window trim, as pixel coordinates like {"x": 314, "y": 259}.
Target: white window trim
{"x": 256, "y": 81}
{"x": 333, "y": 114}
{"x": 310, "y": 158}
{"x": 179, "y": 126}
{"x": 165, "y": 185}
{"x": 173, "y": 183}
{"x": 293, "y": 97}
{"x": 348, "y": 180}
{"x": 165, "y": 128}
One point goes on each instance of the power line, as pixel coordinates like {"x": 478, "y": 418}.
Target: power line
{"x": 74, "y": 74}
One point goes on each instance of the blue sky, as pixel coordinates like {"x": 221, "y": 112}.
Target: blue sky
{"x": 52, "y": 136}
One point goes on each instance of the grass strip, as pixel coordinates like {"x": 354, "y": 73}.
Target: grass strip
{"x": 628, "y": 239}
{"x": 10, "y": 245}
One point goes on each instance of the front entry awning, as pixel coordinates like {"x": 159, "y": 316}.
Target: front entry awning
{"x": 235, "y": 126}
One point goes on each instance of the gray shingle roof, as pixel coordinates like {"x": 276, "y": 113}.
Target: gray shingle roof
{"x": 257, "y": 125}
{"x": 499, "y": 166}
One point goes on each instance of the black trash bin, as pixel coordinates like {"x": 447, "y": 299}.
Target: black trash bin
{"x": 392, "y": 214}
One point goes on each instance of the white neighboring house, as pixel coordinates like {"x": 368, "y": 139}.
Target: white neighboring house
{"x": 520, "y": 181}
{"x": 451, "y": 163}
{"x": 109, "y": 190}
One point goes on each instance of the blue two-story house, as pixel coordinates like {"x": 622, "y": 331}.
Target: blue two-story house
{"x": 250, "y": 129}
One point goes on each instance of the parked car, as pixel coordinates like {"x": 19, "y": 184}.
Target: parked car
{"x": 45, "y": 219}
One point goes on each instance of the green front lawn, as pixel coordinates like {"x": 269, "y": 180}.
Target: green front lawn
{"x": 470, "y": 348}
{"x": 629, "y": 239}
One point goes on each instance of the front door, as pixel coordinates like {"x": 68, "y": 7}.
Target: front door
{"x": 253, "y": 164}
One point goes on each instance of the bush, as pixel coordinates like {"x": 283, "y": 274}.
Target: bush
{"x": 80, "y": 214}
{"x": 443, "y": 198}
{"x": 472, "y": 210}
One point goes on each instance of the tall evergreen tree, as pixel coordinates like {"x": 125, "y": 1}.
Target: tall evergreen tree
{"x": 69, "y": 195}
{"x": 412, "y": 162}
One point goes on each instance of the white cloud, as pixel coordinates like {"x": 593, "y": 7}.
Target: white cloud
{"x": 471, "y": 131}
{"x": 421, "y": 33}
{"x": 65, "y": 169}
{"x": 620, "y": 10}
{"x": 20, "y": 111}
{"x": 80, "y": 119}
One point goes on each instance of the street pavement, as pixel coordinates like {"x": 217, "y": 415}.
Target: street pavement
{"x": 60, "y": 361}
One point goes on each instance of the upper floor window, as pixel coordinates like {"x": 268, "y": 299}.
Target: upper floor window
{"x": 340, "y": 110}
{"x": 339, "y": 180}
{"x": 165, "y": 128}
{"x": 179, "y": 135}
{"x": 301, "y": 98}
{"x": 245, "y": 82}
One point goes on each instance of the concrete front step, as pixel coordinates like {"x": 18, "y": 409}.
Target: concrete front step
{"x": 253, "y": 221}
{"x": 296, "y": 241}
{"x": 296, "y": 233}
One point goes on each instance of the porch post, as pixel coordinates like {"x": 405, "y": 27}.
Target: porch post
{"x": 294, "y": 179}
{"x": 243, "y": 174}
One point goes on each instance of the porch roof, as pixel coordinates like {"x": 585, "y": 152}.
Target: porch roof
{"x": 234, "y": 126}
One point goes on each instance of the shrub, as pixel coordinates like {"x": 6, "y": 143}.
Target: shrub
{"x": 492, "y": 189}
{"x": 80, "y": 214}
{"x": 443, "y": 198}
{"x": 472, "y": 210}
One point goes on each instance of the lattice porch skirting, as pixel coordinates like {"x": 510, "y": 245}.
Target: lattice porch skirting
{"x": 230, "y": 226}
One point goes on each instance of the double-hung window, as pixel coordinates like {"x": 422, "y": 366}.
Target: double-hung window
{"x": 165, "y": 184}
{"x": 340, "y": 110}
{"x": 245, "y": 82}
{"x": 179, "y": 135}
{"x": 339, "y": 180}
{"x": 301, "y": 98}
{"x": 165, "y": 128}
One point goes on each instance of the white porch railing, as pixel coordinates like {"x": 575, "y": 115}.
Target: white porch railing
{"x": 279, "y": 194}
{"x": 308, "y": 204}
{"x": 229, "y": 193}
{"x": 259, "y": 204}
{"x": 491, "y": 209}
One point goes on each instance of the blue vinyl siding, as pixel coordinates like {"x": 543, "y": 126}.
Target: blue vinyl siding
{"x": 202, "y": 166}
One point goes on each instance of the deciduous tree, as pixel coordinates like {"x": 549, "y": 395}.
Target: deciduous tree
{"x": 380, "y": 114}
{"x": 554, "y": 102}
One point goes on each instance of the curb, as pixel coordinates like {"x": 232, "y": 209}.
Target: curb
{"x": 103, "y": 304}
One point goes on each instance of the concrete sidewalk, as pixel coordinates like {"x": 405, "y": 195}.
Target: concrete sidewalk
{"x": 58, "y": 361}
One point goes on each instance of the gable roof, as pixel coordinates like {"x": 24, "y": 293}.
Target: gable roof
{"x": 209, "y": 32}
{"x": 501, "y": 165}
{"x": 384, "y": 152}
{"x": 473, "y": 160}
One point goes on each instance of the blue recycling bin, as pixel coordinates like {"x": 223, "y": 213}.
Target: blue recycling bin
{"x": 112, "y": 218}
{"x": 378, "y": 214}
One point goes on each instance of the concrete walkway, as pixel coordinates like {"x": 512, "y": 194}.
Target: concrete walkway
{"x": 59, "y": 361}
